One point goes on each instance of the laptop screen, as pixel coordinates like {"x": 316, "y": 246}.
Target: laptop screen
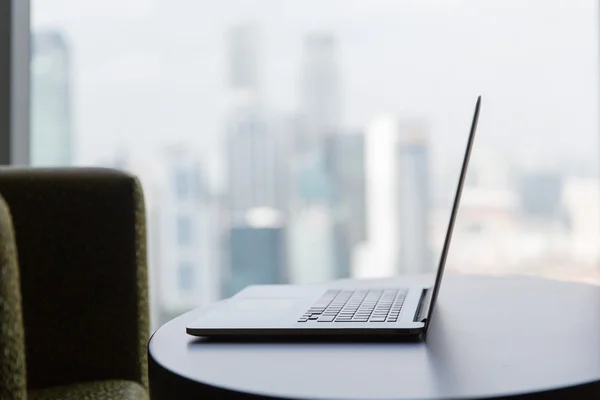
{"x": 455, "y": 205}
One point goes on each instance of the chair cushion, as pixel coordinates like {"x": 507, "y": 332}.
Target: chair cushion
{"x": 100, "y": 390}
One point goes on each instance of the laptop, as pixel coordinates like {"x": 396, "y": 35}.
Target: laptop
{"x": 358, "y": 308}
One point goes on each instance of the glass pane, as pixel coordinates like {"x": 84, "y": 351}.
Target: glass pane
{"x": 184, "y": 231}
{"x": 185, "y": 275}
{"x": 306, "y": 141}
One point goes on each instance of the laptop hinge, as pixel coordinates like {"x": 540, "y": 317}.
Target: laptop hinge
{"x": 423, "y": 307}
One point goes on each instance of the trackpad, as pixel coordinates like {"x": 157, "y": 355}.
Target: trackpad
{"x": 253, "y": 311}
{"x": 270, "y": 304}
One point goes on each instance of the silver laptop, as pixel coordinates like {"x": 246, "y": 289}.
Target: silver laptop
{"x": 360, "y": 309}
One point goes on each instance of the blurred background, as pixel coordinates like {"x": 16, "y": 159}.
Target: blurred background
{"x": 305, "y": 141}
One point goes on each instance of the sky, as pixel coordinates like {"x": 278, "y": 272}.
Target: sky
{"x": 149, "y": 73}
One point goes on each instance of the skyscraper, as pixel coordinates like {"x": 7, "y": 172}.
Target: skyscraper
{"x": 318, "y": 245}
{"x": 312, "y": 247}
{"x": 255, "y": 244}
{"x": 313, "y": 181}
{"x": 243, "y": 57}
{"x": 257, "y": 252}
{"x": 414, "y": 198}
{"x": 255, "y": 173}
{"x": 188, "y": 263}
{"x": 51, "y": 114}
{"x": 312, "y": 227}
{"x": 345, "y": 158}
{"x": 320, "y": 103}
{"x": 345, "y": 167}
{"x": 379, "y": 257}
{"x": 398, "y": 199}
{"x": 255, "y": 176}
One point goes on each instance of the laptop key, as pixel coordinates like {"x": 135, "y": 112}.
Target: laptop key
{"x": 326, "y": 318}
{"x": 377, "y": 319}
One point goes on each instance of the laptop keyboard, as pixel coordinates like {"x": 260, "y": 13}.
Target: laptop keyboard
{"x": 377, "y": 305}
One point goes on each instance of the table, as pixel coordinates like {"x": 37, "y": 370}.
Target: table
{"x": 491, "y": 337}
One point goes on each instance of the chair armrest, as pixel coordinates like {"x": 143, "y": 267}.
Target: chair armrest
{"x": 81, "y": 240}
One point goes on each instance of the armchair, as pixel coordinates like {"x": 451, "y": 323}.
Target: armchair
{"x": 81, "y": 247}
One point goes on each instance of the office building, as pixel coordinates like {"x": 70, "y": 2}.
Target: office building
{"x": 189, "y": 257}
{"x": 51, "y": 104}
{"x": 345, "y": 160}
{"x": 320, "y": 101}
{"x": 254, "y": 242}
{"x": 255, "y": 172}
{"x": 342, "y": 173}
{"x": 314, "y": 209}
{"x": 330, "y": 192}
{"x": 312, "y": 246}
{"x": 313, "y": 183}
{"x": 320, "y": 226}
{"x": 311, "y": 233}
{"x": 255, "y": 163}
{"x": 342, "y": 249}
{"x": 540, "y": 193}
{"x": 257, "y": 252}
{"x": 414, "y": 198}
{"x": 243, "y": 62}
{"x": 379, "y": 256}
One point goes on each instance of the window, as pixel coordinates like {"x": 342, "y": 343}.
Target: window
{"x": 184, "y": 231}
{"x": 185, "y": 277}
{"x": 348, "y": 119}
{"x": 182, "y": 185}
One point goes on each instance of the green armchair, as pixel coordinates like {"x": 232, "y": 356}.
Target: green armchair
{"x": 81, "y": 256}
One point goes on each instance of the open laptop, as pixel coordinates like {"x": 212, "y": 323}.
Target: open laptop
{"x": 359, "y": 308}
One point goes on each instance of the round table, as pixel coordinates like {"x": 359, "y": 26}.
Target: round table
{"x": 491, "y": 337}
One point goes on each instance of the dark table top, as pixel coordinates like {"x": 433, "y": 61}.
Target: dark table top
{"x": 490, "y": 337}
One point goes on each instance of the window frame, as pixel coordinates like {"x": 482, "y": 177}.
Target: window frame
{"x": 15, "y": 35}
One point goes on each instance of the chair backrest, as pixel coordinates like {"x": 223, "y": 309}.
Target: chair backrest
{"x": 12, "y": 346}
{"x": 80, "y": 233}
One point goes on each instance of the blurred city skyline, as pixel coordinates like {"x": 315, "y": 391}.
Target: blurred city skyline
{"x": 535, "y": 66}
{"x": 305, "y": 152}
